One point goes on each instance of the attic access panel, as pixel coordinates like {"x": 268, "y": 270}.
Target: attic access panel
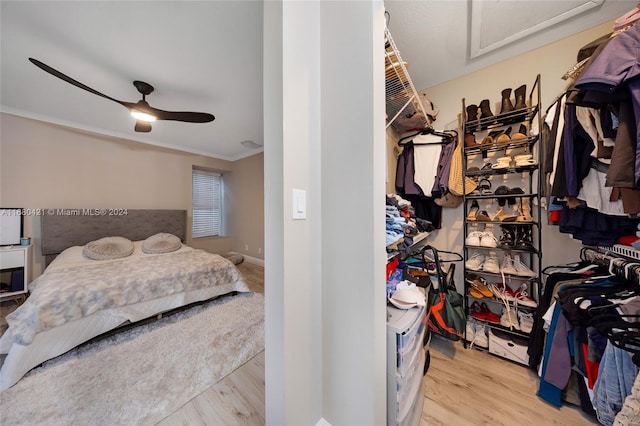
{"x": 496, "y": 23}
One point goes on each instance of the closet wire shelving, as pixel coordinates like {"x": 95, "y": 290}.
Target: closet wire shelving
{"x": 529, "y": 175}
{"x": 404, "y": 107}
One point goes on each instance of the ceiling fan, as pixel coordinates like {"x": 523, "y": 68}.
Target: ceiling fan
{"x": 144, "y": 113}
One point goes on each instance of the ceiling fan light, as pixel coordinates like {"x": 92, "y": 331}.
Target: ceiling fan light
{"x": 143, "y": 116}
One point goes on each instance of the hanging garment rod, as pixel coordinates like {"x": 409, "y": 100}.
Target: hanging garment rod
{"x": 447, "y": 135}
{"x": 457, "y": 257}
{"x": 618, "y": 265}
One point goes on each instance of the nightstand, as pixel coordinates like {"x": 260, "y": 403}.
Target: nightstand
{"x": 15, "y": 263}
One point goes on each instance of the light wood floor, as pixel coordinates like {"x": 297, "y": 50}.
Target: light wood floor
{"x": 469, "y": 387}
{"x": 463, "y": 387}
{"x": 238, "y": 399}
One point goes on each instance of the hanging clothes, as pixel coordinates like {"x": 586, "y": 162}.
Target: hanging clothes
{"x": 426, "y": 155}
{"x": 592, "y": 140}
{"x": 441, "y": 183}
{"x": 593, "y": 333}
{"x": 618, "y": 65}
{"x": 568, "y": 339}
{"x": 405, "y": 172}
{"x": 420, "y": 171}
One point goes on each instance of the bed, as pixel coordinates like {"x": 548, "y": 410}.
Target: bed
{"x": 77, "y": 298}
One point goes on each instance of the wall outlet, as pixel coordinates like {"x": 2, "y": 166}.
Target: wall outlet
{"x": 259, "y": 251}
{"x": 246, "y": 247}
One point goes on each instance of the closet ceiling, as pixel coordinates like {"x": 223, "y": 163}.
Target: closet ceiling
{"x": 442, "y": 40}
{"x": 207, "y": 56}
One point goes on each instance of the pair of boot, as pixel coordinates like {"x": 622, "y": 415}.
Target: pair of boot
{"x": 486, "y": 117}
{"x": 516, "y": 236}
{"x": 507, "y": 107}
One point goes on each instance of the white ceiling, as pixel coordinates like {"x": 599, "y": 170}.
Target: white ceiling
{"x": 206, "y": 56}
{"x": 203, "y": 56}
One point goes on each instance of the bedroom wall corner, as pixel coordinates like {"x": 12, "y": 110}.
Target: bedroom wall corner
{"x": 44, "y": 165}
{"x": 244, "y": 202}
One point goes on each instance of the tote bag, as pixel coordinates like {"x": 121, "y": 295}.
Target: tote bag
{"x": 456, "y": 174}
{"x": 447, "y": 311}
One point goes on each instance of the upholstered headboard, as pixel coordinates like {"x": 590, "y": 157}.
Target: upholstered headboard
{"x": 64, "y": 228}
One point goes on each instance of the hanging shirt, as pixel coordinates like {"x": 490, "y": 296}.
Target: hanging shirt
{"x": 426, "y": 158}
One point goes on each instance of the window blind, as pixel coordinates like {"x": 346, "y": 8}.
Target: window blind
{"x": 206, "y": 203}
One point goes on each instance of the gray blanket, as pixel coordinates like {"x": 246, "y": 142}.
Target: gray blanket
{"x": 65, "y": 295}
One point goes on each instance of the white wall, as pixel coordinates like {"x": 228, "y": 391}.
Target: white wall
{"x": 293, "y": 285}
{"x": 353, "y": 220}
{"x": 275, "y": 381}
{"x": 325, "y": 353}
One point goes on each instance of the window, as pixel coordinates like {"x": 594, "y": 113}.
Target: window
{"x": 206, "y": 203}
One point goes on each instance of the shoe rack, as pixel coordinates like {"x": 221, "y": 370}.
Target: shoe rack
{"x": 502, "y": 229}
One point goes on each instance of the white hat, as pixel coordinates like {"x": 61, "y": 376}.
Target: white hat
{"x": 407, "y": 296}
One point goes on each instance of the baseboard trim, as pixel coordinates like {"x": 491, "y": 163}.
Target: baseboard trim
{"x": 254, "y": 260}
{"x": 250, "y": 259}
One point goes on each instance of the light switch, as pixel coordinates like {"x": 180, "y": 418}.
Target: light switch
{"x": 299, "y": 204}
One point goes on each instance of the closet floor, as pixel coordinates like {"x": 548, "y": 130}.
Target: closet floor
{"x": 470, "y": 387}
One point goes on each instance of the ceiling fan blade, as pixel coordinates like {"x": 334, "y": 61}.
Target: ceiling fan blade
{"x": 142, "y": 126}
{"x": 70, "y": 80}
{"x": 140, "y": 106}
{"x": 189, "y": 117}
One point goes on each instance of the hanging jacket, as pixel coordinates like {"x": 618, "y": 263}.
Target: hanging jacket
{"x": 405, "y": 172}
{"x": 617, "y": 66}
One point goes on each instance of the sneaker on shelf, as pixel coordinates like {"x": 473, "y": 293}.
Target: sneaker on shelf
{"x": 477, "y": 312}
{"x": 522, "y": 269}
{"x": 502, "y": 292}
{"x": 475, "y": 261}
{"x": 507, "y": 239}
{"x": 480, "y": 336}
{"x": 523, "y": 298}
{"x": 473, "y": 239}
{"x": 509, "y": 319}
{"x": 491, "y": 264}
{"x": 487, "y": 239}
{"x": 471, "y": 331}
{"x": 507, "y": 265}
{"x": 488, "y": 315}
{"x": 526, "y": 321}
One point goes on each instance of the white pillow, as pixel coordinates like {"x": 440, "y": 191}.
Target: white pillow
{"x": 161, "y": 243}
{"x": 108, "y": 248}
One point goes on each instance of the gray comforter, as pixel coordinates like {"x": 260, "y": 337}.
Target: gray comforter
{"x": 65, "y": 295}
